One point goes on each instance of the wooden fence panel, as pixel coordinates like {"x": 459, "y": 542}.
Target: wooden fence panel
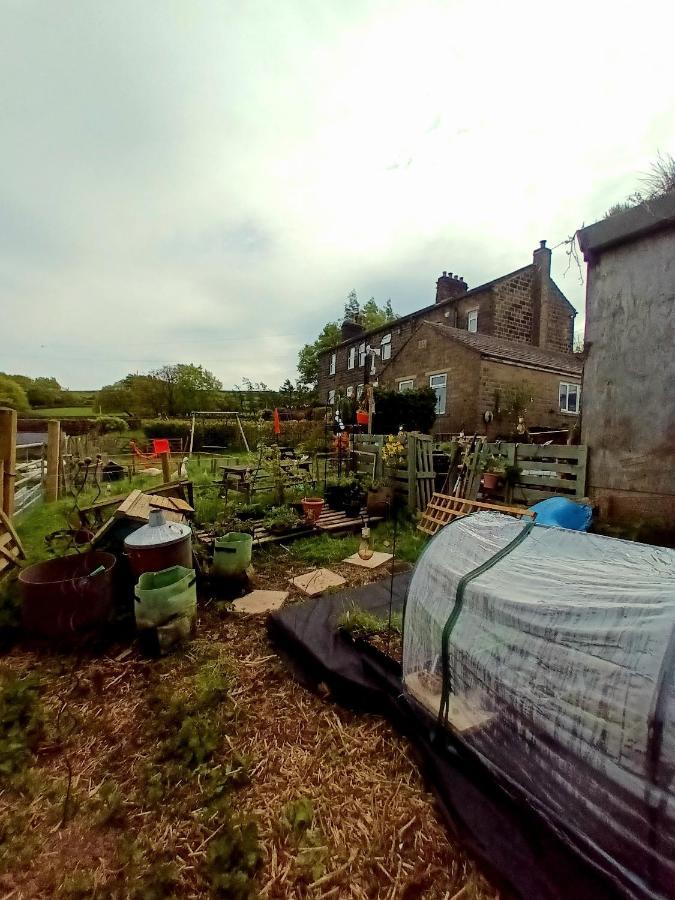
{"x": 546, "y": 470}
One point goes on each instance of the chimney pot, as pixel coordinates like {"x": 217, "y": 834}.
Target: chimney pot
{"x": 444, "y": 273}
{"x": 542, "y": 244}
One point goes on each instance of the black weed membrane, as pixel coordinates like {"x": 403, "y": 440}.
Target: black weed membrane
{"x": 538, "y": 689}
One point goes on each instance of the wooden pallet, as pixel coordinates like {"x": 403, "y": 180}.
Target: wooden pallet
{"x": 11, "y": 549}
{"x": 443, "y": 508}
{"x": 331, "y": 520}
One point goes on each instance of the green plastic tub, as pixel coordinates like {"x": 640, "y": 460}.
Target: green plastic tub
{"x": 232, "y": 554}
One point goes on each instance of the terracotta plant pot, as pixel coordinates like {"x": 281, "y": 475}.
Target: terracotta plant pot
{"x": 312, "y": 508}
{"x": 491, "y": 481}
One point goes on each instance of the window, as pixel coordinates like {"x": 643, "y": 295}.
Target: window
{"x": 351, "y": 362}
{"x": 385, "y": 346}
{"x": 406, "y": 385}
{"x": 472, "y": 320}
{"x": 350, "y": 391}
{"x": 359, "y": 391}
{"x": 570, "y": 395}
{"x": 331, "y": 398}
{"x": 362, "y": 354}
{"x": 331, "y": 371}
{"x": 438, "y": 383}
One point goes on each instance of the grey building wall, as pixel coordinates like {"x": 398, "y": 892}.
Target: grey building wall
{"x": 628, "y": 394}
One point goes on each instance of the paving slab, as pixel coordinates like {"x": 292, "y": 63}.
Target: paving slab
{"x": 376, "y": 560}
{"x": 258, "y": 602}
{"x": 317, "y": 581}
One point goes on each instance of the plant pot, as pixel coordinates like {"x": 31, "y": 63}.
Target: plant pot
{"x": 361, "y": 417}
{"x": 491, "y": 480}
{"x": 312, "y": 507}
{"x": 378, "y": 502}
{"x": 232, "y": 553}
{"x": 353, "y": 505}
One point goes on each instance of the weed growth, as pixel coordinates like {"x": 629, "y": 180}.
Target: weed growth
{"x": 21, "y": 720}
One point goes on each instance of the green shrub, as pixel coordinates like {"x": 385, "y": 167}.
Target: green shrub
{"x": 414, "y": 410}
{"x": 110, "y": 425}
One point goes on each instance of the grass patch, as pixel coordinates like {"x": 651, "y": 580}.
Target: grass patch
{"x": 361, "y": 623}
{"x": 62, "y": 412}
{"x": 324, "y": 550}
{"x": 44, "y": 518}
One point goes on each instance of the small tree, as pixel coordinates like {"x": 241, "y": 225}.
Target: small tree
{"x": 12, "y": 394}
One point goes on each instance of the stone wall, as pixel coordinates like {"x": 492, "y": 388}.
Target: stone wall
{"x": 512, "y": 318}
{"x": 501, "y": 384}
{"x": 429, "y": 353}
{"x": 628, "y": 416}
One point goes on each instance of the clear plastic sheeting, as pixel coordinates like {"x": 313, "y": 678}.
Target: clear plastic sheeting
{"x": 556, "y": 662}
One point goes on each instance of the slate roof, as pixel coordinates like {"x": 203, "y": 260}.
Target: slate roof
{"x": 510, "y": 351}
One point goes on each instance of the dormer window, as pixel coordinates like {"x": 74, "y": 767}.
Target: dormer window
{"x": 472, "y": 320}
{"x": 385, "y": 346}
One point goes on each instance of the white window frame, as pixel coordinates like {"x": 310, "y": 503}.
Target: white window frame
{"x": 440, "y": 388}
{"x": 385, "y": 346}
{"x": 564, "y": 395}
{"x": 359, "y": 391}
{"x": 331, "y": 369}
{"x": 472, "y": 317}
{"x": 362, "y": 354}
{"x": 350, "y": 391}
{"x": 351, "y": 361}
{"x": 331, "y": 397}
{"x": 408, "y": 384}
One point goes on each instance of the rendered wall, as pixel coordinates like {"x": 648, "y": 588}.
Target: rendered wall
{"x": 628, "y": 394}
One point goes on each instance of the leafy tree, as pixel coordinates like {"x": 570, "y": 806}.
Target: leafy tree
{"x": 308, "y": 357}
{"x": 12, "y": 394}
{"x": 369, "y": 316}
{"x": 40, "y": 391}
{"x": 352, "y": 307}
{"x": 372, "y": 315}
{"x": 171, "y": 391}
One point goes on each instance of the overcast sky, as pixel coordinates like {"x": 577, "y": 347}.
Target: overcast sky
{"x": 205, "y": 181}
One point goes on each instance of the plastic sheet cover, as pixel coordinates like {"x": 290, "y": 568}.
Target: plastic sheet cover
{"x": 559, "y": 663}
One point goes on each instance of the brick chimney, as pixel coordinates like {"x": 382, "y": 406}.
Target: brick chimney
{"x": 541, "y": 260}
{"x": 351, "y": 329}
{"x": 449, "y": 286}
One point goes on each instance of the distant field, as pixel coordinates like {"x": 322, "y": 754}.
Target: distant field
{"x": 62, "y": 412}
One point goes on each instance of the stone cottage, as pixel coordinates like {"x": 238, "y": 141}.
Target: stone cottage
{"x": 629, "y": 373}
{"x": 514, "y": 315}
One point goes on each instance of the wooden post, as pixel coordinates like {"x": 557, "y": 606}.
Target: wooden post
{"x": 412, "y": 473}
{"x": 53, "y": 456}
{"x": 8, "y": 457}
{"x": 166, "y": 468}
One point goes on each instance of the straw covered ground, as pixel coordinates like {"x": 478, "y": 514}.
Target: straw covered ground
{"x": 210, "y": 772}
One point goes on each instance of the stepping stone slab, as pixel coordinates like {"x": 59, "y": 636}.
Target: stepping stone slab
{"x": 376, "y": 560}
{"x": 317, "y": 581}
{"x": 258, "y": 602}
